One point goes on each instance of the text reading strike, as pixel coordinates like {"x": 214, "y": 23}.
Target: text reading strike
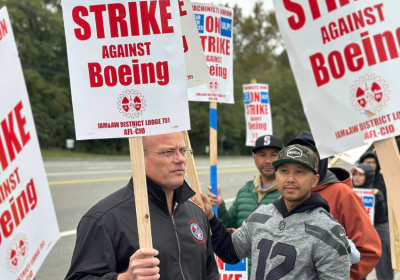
{"x": 123, "y": 20}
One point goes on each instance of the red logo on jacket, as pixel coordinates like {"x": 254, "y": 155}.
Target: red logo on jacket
{"x": 197, "y": 232}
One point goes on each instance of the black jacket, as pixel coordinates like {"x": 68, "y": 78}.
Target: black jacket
{"x": 380, "y": 205}
{"x": 379, "y": 184}
{"x": 107, "y": 237}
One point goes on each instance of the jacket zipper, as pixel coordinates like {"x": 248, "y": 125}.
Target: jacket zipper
{"x": 177, "y": 239}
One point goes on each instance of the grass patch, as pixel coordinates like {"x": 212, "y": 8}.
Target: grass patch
{"x": 72, "y": 154}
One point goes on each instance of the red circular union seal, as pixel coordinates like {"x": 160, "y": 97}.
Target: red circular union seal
{"x": 131, "y": 103}
{"x": 369, "y": 93}
{"x": 17, "y": 253}
{"x": 213, "y": 85}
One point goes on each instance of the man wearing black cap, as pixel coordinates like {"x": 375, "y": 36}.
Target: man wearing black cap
{"x": 346, "y": 207}
{"x": 263, "y": 190}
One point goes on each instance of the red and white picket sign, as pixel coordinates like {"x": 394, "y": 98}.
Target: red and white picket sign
{"x": 215, "y": 26}
{"x": 28, "y": 224}
{"x": 345, "y": 56}
{"x": 127, "y": 68}
{"x": 196, "y": 65}
{"x": 257, "y": 110}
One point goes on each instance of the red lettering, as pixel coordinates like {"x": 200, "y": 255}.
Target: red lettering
{"x": 336, "y": 64}
{"x": 110, "y": 76}
{"x": 321, "y": 74}
{"x": 390, "y": 43}
{"x": 21, "y": 121}
{"x": 6, "y": 224}
{"x": 84, "y": 32}
{"x": 298, "y": 10}
{"x": 123, "y": 72}
{"x": 181, "y": 10}
{"x": 10, "y": 137}
{"x": 3, "y": 158}
{"x": 166, "y": 16}
{"x": 116, "y": 14}
{"x": 351, "y": 52}
{"x": 96, "y": 79}
{"x": 148, "y": 17}
{"x": 134, "y": 20}
{"x": 98, "y": 10}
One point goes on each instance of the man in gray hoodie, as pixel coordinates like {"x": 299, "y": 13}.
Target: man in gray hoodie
{"x": 293, "y": 238}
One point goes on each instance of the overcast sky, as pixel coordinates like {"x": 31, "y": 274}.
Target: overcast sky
{"x": 246, "y": 5}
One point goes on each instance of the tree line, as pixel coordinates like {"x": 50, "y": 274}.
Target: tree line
{"x": 258, "y": 54}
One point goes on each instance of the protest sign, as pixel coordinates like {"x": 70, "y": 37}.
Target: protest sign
{"x": 353, "y": 155}
{"x": 127, "y": 68}
{"x": 196, "y": 65}
{"x": 368, "y": 199}
{"x": 232, "y": 272}
{"x": 343, "y": 55}
{"x": 28, "y": 224}
{"x": 214, "y": 24}
{"x": 257, "y": 111}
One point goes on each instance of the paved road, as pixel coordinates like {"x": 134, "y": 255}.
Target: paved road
{"x": 76, "y": 185}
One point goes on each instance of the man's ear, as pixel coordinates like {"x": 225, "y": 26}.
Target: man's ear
{"x": 315, "y": 180}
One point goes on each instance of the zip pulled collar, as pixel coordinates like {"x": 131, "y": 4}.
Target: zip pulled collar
{"x": 314, "y": 201}
{"x": 157, "y": 194}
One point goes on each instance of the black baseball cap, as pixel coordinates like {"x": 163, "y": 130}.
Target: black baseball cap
{"x": 268, "y": 141}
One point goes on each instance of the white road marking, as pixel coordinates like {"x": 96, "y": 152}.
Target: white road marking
{"x": 73, "y": 231}
{"x": 128, "y": 171}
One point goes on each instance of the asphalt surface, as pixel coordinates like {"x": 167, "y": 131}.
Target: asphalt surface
{"x": 76, "y": 185}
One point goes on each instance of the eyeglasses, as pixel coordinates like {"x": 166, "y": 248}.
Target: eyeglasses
{"x": 186, "y": 153}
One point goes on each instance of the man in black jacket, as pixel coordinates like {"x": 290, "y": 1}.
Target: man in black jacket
{"x": 107, "y": 245}
{"x": 383, "y": 269}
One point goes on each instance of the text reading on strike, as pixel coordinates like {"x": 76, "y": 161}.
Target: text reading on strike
{"x": 134, "y": 18}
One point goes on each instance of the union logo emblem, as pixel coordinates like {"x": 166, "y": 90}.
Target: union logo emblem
{"x": 213, "y": 85}
{"x": 17, "y": 253}
{"x": 131, "y": 103}
{"x": 369, "y": 93}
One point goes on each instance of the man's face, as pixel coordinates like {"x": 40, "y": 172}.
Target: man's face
{"x": 358, "y": 179}
{"x": 168, "y": 172}
{"x": 295, "y": 181}
{"x": 264, "y": 159}
{"x": 371, "y": 162}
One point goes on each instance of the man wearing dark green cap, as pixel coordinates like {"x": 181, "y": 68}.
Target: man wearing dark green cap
{"x": 293, "y": 238}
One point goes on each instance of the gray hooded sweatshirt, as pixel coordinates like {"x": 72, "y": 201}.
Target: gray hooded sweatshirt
{"x": 305, "y": 244}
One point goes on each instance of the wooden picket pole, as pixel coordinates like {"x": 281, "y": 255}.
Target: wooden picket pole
{"x": 389, "y": 160}
{"x": 213, "y": 151}
{"x": 333, "y": 162}
{"x": 192, "y": 173}
{"x": 140, "y": 190}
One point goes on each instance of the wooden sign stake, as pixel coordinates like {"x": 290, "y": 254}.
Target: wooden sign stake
{"x": 389, "y": 160}
{"x": 333, "y": 162}
{"x": 192, "y": 173}
{"x": 213, "y": 151}
{"x": 140, "y": 190}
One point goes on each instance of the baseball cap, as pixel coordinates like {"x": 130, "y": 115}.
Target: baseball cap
{"x": 297, "y": 154}
{"x": 305, "y": 138}
{"x": 268, "y": 141}
{"x": 357, "y": 168}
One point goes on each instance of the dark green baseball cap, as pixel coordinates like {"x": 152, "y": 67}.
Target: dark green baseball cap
{"x": 297, "y": 154}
